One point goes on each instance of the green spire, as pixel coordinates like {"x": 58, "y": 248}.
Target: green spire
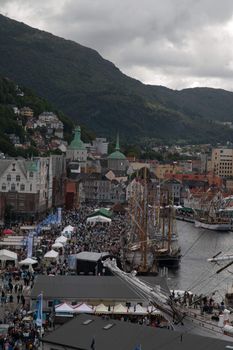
{"x": 117, "y": 153}
{"x": 117, "y": 148}
{"x": 77, "y": 142}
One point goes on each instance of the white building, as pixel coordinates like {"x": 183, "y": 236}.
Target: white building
{"x": 222, "y": 162}
{"x": 77, "y": 151}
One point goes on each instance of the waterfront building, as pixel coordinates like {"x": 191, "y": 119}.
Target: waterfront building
{"x": 173, "y": 187}
{"x": 222, "y": 162}
{"x": 30, "y": 187}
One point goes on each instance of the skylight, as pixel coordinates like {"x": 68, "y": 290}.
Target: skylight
{"x": 108, "y": 326}
{"x": 87, "y": 322}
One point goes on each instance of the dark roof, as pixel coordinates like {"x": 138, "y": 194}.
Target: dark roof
{"x": 91, "y": 256}
{"x": 88, "y": 287}
{"x": 126, "y": 336}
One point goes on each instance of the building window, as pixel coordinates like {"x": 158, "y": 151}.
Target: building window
{"x": 12, "y": 187}
{"x": 31, "y": 174}
{"x": 17, "y": 178}
{"x": 30, "y": 187}
{"x": 8, "y": 177}
{"x": 4, "y": 187}
{"x": 22, "y": 187}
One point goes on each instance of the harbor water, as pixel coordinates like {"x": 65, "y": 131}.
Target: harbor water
{"x": 195, "y": 273}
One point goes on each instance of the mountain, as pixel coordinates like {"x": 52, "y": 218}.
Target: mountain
{"x": 94, "y": 92}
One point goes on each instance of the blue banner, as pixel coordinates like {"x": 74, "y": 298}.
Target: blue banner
{"x": 30, "y": 244}
{"x": 39, "y": 311}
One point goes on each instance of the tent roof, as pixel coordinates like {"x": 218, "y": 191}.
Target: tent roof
{"x": 28, "y": 261}
{"x": 68, "y": 228}
{"x": 61, "y": 239}
{"x": 98, "y": 218}
{"x": 138, "y": 310}
{"x": 7, "y": 255}
{"x": 83, "y": 308}
{"x": 91, "y": 256}
{"x": 103, "y": 212}
{"x": 51, "y": 254}
{"x": 64, "y": 308}
{"x": 101, "y": 309}
{"x": 57, "y": 245}
{"x": 120, "y": 309}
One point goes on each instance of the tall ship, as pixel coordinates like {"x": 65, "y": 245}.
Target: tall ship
{"x": 209, "y": 210}
{"x": 210, "y": 216}
{"x": 152, "y": 238}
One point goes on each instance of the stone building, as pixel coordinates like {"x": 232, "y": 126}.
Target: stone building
{"x": 117, "y": 160}
{"x": 77, "y": 151}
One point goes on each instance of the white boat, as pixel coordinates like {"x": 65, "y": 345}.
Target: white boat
{"x": 218, "y": 226}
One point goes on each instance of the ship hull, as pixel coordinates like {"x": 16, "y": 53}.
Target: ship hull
{"x": 169, "y": 261}
{"x": 213, "y": 227}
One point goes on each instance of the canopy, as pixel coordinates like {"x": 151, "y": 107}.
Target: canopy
{"x": 120, "y": 309}
{"x": 103, "y": 212}
{"x": 64, "y": 307}
{"x": 68, "y": 228}
{"x": 138, "y": 310}
{"x": 101, "y": 309}
{"x": 57, "y": 245}
{"x": 98, "y": 218}
{"x": 51, "y": 254}
{"x": 83, "y": 309}
{"x": 7, "y": 231}
{"x": 7, "y": 255}
{"x": 61, "y": 239}
{"x": 28, "y": 261}
{"x": 153, "y": 311}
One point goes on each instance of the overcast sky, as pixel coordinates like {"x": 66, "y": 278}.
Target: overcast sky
{"x": 176, "y": 43}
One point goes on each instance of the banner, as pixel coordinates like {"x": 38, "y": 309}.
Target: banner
{"x": 59, "y": 218}
{"x": 39, "y": 311}
{"x": 30, "y": 244}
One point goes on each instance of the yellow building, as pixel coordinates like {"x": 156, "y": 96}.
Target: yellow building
{"x": 222, "y": 162}
{"x": 162, "y": 170}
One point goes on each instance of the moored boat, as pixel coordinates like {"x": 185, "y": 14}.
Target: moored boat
{"x": 222, "y": 226}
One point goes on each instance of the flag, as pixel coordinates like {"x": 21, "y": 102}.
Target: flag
{"x": 93, "y": 344}
{"x": 30, "y": 244}
{"x": 39, "y": 311}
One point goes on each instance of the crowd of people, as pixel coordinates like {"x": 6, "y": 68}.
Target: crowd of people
{"x": 16, "y": 281}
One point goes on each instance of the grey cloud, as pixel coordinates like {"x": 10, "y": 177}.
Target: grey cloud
{"x": 177, "y": 41}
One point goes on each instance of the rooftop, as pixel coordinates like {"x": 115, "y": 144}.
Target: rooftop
{"x": 88, "y": 287}
{"x": 112, "y": 334}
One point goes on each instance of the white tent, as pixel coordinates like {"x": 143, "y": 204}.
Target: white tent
{"x": 7, "y": 255}
{"x": 83, "y": 309}
{"x": 120, "y": 309}
{"x": 102, "y": 309}
{"x": 63, "y": 308}
{"x": 138, "y": 310}
{"x": 51, "y": 255}
{"x": 153, "y": 311}
{"x": 28, "y": 261}
{"x": 57, "y": 245}
{"x": 61, "y": 239}
{"x": 98, "y": 218}
{"x": 68, "y": 228}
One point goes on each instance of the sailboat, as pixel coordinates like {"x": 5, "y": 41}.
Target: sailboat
{"x": 209, "y": 216}
{"x": 168, "y": 253}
